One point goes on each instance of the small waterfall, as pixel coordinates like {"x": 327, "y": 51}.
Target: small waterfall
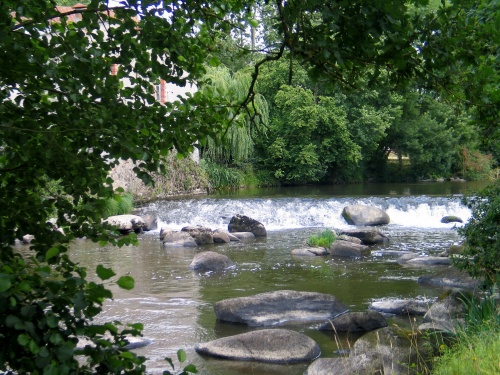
{"x": 290, "y": 213}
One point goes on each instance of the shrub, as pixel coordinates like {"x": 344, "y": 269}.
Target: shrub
{"x": 323, "y": 239}
{"x": 481, "y": 256}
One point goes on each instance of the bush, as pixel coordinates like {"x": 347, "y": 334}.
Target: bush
{"x": 324, "y": 239}
{"x": 475, "y": 165}
{"x": 481, "y": 257}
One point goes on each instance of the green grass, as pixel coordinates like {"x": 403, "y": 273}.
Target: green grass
{"x": 477, "y": 346}
{"x": 119, "y": 205}
{"x": 476, "y": 353}
{"x": 324, "y": 239}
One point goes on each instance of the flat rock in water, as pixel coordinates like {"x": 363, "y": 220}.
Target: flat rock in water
{"x": 279, "y": 307}
{"x": 126, "y": 223}
{"x": 267, "y": 345}
{"x": 366, "y": 236}
{"x": 450, "y": 277}
{"x": 401, "y": 306}
{"x": 429, "y": 261}
{"x": 310, "y": 251}
{"x": 342, "y": 248}
{"x": 356, "y": 322}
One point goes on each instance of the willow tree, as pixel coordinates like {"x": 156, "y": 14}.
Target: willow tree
{"x": 236, "y": 143}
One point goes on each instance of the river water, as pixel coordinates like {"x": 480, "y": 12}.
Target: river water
{"x": 176, "y": 305}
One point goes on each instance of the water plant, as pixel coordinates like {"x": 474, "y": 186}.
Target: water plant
{"x": 323, "y": 239}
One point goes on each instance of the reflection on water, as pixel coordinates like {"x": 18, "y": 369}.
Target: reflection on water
{"x": 175, "y": 304}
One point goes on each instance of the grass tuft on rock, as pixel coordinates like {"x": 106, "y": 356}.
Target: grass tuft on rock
{"x": 323, "y": 239}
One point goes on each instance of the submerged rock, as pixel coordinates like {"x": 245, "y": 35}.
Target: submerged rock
{"x": 210, "y": 261}
{"x": 355, "y": 322}
{"x": 267, "y": 345}
{"x": 176, "y": 239}
{"x": 451, "y": 219}
{"x": 310, "y": 251}
{"x": 283, "y": 306}
{"x": 451, "y": 278}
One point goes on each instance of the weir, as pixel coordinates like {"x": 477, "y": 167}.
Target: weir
{"x": 290, "y": 213}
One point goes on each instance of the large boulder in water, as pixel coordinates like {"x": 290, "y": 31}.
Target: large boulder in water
{"x": 279, "y": 307}
{"x": 359, "y": 214}
{"x": 210, "y": 261}
{"x": 267, "y": 345}
{"x": 242, "y": 223}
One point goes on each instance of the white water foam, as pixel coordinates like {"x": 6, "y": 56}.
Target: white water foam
{"x": 291, "y": 213}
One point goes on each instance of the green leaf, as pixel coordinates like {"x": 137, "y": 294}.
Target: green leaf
{"x": 191, "y": 369}
{"x": 214, "y": 61}
{"x": 51, "y": 253}
{"x": 104, "y": 273}
{"x": 126, "y": 282}
{"x": 23, "y": 339}
{"x": 181, "y": 355}
{"x": 34, "y": 348}
{"x": 253, "y": 22}
{"x": 5, "y": 283}
{"x": 169, "y": 361}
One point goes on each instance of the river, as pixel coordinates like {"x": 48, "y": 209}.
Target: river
{"x": 176, "y": 304}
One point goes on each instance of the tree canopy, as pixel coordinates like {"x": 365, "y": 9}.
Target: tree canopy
{"x": 66, "y": 120}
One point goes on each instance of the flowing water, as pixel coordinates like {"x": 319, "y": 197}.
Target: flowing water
{"x": 176, "y": 304}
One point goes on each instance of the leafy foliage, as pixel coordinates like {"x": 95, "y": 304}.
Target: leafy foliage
{"x": 460, "y": 45}
{"x": 309, "y": 136}
{"x": 236, "y": 143}
{"x": 481, "y": 256}
{"x": 65, "y": 118}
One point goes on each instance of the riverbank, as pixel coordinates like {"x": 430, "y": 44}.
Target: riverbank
{"x": 183, "y": 177}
